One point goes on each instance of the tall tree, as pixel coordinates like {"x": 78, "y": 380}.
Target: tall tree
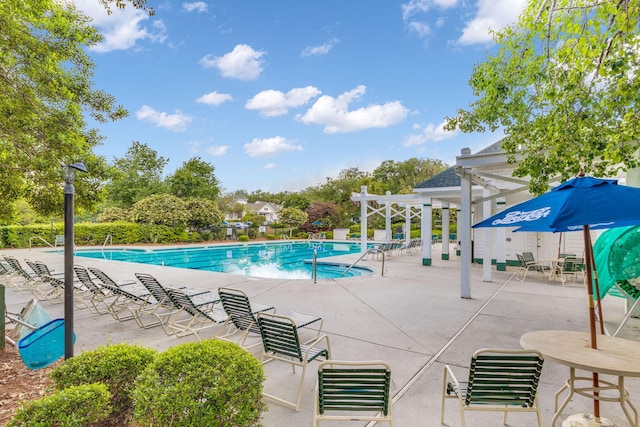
{"x": 45, "y": 92}
{"x": 402, "y": 177}
{"x": 136, "y": 175}
{"x": 195, "y": 178}
{"x": 565, "y": 87}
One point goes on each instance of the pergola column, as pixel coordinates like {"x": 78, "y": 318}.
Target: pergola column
{"x": 445, "y": 231}
{"x": 464, "y": 230}
{"x": 486, "y": 236}
{"x": 387, "y": 220}
{"x": 364, "y": 206}
{"x": 501, "y": 240}
{"x": 426, "y": 231}
{"x": 407, "y": 224}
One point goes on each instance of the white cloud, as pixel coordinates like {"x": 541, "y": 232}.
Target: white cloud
{"x": 272, "y": 103}
{"x": 491, "y": 14}
{"x": 415, "y": 7}
{"x": 414, "y": 14}
{"x": 175, "y": 122}
{"x": 214, "y": 98}
{"x": 323, "y": 49}
{"x": 243, "y": 63}
{"x": 270, "y": 146}
{"x": 123, "y": 28}
{"x": 269, "y": 166}
{"x": 429, "y": 132}
{"x": 334, "y": 114}
{"x": 217, "y": 150}
{"x": 198, "y": 6}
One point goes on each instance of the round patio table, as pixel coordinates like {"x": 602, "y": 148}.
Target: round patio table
{"x": 614, "y": 356}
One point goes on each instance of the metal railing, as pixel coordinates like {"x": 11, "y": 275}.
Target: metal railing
{"x": 31, "y": 239}
{"x": 109, "y": 239}
{"x": 314, "y": 266}
{"x": 367, "y": 252}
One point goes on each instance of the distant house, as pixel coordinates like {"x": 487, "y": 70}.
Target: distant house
{"x": 268, "y": 210}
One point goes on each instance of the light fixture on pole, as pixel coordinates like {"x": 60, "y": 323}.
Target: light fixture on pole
{"x": 69, "y": 172}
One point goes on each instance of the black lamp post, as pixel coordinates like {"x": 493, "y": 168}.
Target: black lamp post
{"x": 69, "y": 172}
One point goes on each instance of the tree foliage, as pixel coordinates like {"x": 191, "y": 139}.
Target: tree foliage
{"x": 328, "y": 213}
{"x": 113, "y": 214}
{"x": 121, "y": 4}
{"x": 292, "y": 217}
{"x": 195, "y": 178}
{"x": 45, "y": 92}
{"x": 202, "y": 213}
{"x": 565, "y": 87}
{"x": 136, "y": 175}
{"x": 402, "y": 177}
{"x": 161, "y": 209}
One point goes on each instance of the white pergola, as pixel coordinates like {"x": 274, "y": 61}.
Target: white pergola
{"x": 485, "y": 182}
{"x": 408, "y": 206}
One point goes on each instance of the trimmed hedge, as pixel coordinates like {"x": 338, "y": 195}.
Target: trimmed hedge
{"x": 209, "y": 383}
{"x": 94, "y": 234}
{"x": 77, "y": 406}
{"x": 116, "y": 366}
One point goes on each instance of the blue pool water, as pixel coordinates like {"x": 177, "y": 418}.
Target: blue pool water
{"x": 287, "y": 260}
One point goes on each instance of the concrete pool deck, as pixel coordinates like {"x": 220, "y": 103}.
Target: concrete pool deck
{"x": 412, "y": 317}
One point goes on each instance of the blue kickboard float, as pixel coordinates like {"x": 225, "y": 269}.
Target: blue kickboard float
{"x": 44, "y": 345}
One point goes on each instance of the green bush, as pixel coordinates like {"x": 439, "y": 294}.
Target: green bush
{"x": 210, "y": 383}
{"x": 271, "y": 237}
{"x": 243, "y": 238}
{"x": 77, "y": 406}
{"x": 116, "y": 366}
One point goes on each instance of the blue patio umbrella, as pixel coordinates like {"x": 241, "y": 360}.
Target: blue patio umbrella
{"x": 580, "y": 204}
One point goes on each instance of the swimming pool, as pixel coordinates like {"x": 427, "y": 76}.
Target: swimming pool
{"x": 286, "y": 260}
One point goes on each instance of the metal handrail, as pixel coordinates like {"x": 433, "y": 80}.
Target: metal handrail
{"x": 314, "y": 267}
{"x": 367, "y": 252}
{"x": 109, "y": 239}
{"x": 38, "y": 238}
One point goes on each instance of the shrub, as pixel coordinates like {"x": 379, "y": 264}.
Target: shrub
{"x": 243, "y": 238}
{"x": 76, "y": 406}
{"x": 271, "y": 237}
{"x": 116, "y": 366}
{"x": 209, "y": 383}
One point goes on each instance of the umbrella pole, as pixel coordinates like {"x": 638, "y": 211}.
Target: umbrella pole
{"x": 597, "y": 288}
{"x": 592, "y": 314}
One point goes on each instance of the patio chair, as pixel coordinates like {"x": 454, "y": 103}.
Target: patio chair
{"x": 500, "y": 380}
{"x": 161, "y": 293}
{"x": 167, "y": 308}
{"x": 573, "y": 267}
{"x": 52, "y": 289}
{"x": 200, "y": 317}
{"x": 20, "y": 279}
{"x": 281, "y": 342}
{"x": 528, "y": 263}
{"x": 353, "y": 391}
{"x": 130, "y": 298}
{"x": 241, "y": 315}
{"x": 100, "y": 296}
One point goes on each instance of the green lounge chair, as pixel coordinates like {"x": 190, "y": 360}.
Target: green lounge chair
{"x": 500, "y": 380}
{"x": 281, "y": 342}
{"x": 353, "y": 391}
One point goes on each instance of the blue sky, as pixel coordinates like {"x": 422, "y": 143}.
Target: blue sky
{"x": 280, "y": 95}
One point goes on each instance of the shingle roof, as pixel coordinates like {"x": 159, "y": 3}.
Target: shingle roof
{"x": 446, "y": 178}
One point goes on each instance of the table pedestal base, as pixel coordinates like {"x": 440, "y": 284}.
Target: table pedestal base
{"x": 620, "y": 395}
{"x": 586, "y": 420}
